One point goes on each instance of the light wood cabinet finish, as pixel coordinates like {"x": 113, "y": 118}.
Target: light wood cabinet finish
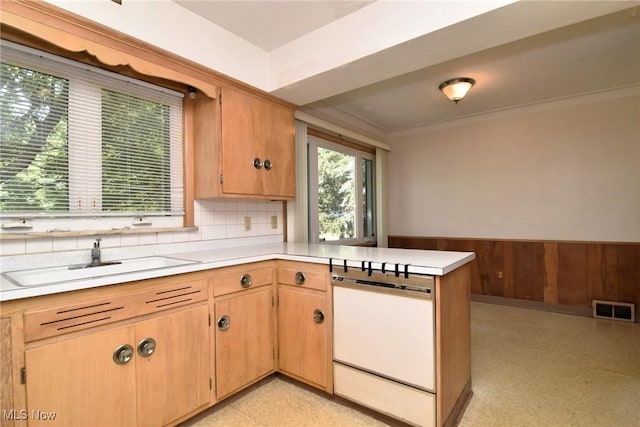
{"x": 175, "y": 379}
{"x": 232, "y": 280}
{"x": 245, "y": 351}
{"x": 79, "y": 380}
{"x": 305, "y": 348}
{"x": 230, "y": 133}
{"x": 453, "y": 344}
{"x": 278, "y": 146}
{"x": 6, "y": 371}
{"x": 174, "y": 382}
{"x": 304, "y": 276}
{"x": 303, "y": 343}
{"x": 63, "y": 319}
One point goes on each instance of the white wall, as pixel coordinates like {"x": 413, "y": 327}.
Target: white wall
{"x": 567, "y": 172}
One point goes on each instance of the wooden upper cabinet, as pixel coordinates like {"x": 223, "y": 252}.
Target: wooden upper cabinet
{"x": 243, "y": 147}
{"x": 278, "y": 146}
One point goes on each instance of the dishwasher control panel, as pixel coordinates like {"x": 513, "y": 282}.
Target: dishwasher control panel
{"x": 415, "y": 285}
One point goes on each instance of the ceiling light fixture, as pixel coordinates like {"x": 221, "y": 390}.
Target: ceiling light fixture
{"x": 456, "y": 89}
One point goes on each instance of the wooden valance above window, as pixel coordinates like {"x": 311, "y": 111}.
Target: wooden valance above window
{"x": 47, "y": 27}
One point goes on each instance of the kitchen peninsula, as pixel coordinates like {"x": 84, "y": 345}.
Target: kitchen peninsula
{"x": 250, "y": 312}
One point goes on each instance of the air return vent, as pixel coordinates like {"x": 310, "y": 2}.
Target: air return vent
{"x": 614, "y": 310}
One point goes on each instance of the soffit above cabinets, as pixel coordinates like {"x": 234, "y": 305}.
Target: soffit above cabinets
{"x": 272, "y": 24}
{"x": 519, "y": 53}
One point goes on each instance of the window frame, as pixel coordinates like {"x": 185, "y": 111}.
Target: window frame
{"x": 73, "y": 220}
{"x": 313, "y": 143}
{"x": 49, "y": 28}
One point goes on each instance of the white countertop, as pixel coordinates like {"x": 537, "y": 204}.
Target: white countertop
{"x": 417, "y": 261}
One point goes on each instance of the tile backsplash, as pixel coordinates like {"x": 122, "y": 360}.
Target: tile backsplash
{"x": 219, "y": 222}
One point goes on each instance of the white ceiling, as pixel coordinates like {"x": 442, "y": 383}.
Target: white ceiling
{"x": 599, "y": 53}
{"x": 271, "y": 24}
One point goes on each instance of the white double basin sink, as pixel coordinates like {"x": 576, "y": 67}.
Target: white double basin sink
{"x": 53, "y": 275}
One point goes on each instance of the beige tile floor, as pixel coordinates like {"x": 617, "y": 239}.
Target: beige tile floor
{"x": 529, "y": 368}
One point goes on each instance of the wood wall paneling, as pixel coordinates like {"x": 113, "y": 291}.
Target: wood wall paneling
{"x": 573, "y": 282}
{"x": 528, "y": 270}
{"x": 491, "y": 259}
{"x": 625, "y": 275}
{"x": 553, "y": 272}
{"x": 595, "y": 271}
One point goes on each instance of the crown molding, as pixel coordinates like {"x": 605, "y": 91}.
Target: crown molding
{"x": 564, "y": 102}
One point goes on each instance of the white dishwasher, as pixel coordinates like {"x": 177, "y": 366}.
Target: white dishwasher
{"x": 384, "y": 337}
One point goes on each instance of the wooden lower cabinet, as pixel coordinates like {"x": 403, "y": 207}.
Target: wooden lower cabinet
{"x": 175, "y": 379}
{"x": 244, "y": 339}
{"x": 239, "y": 326}
{"x": 7, "y": 405}
{"x": 305, "y": 323}
{"x": 304, "y": 334}
{"x": 79, "y": 381}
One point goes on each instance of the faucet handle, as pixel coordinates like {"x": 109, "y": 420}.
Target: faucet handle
{"x": 96, "y": 244}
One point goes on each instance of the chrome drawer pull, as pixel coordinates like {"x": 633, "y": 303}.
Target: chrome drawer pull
{"x": 123, "y": 354}
{"x": 224, "y": 323}
{"x": 147, "y": 347}
{"x": 246, "y": 280}
{"x": 318, "y": 316}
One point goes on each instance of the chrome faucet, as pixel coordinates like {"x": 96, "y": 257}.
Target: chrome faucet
{"x": 95, "y": 258}
{"x": 95, "y": 252}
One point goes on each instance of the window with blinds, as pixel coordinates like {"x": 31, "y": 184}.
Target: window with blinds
{"x": 81, "y": 141}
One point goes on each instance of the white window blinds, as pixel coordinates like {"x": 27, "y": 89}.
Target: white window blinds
{"x": 80, "y": 141}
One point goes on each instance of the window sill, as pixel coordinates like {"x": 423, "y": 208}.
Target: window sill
{"x": 77, "y": 233}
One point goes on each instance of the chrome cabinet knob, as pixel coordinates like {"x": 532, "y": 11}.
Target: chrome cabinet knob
{"x": 257, "y": 163}
{"x": 246, "y": 280}
{"x": 224, "y": 323}
{"x": 147, "y": 347}
{"x": 318, "y": 316}
{"x": 267, "y": 164}
{"x": 300, "y": 278}
{"x": 123, "y": 354}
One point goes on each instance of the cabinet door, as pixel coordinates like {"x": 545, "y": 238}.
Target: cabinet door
{"x": 241, "y": 142}
{"x": 6, "y": 372}
{"x": 244, "y": 349}
{"x": 79, "y": 382}
{"x": 303, "y": 341}
{"x": 174, "y": 379}
{"x": 278, "y": 148}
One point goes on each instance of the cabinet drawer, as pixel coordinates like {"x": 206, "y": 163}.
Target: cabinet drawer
{"x": 302, "y": 277}
{"x": 241, "y": 279}
{"x": 52, "y": 321}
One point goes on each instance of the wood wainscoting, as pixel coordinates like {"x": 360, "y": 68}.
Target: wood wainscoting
{"x": 557, "y": 273}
